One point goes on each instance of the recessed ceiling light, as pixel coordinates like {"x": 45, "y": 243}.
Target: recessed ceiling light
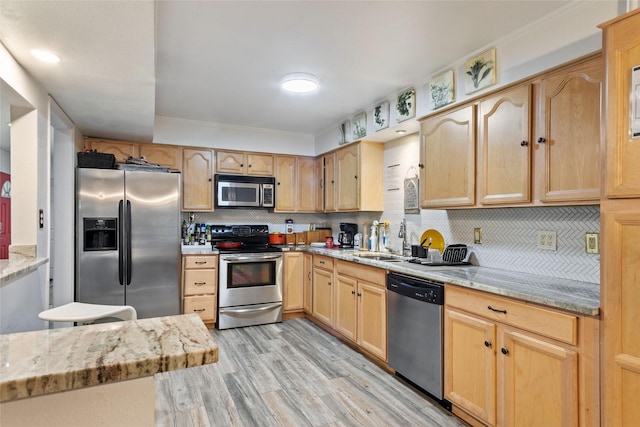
{"x": 45, "y": 56}
{"x": 299, "y": 83}
{"x": 401, "y": 131}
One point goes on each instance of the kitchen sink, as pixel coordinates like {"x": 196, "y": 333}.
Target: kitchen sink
{"x": 380, "y": 257}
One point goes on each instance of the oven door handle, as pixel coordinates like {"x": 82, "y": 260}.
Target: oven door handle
{"x": 250, "y": 310}
{"x": 251, "y": 258}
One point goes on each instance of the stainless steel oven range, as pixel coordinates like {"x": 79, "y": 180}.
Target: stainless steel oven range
{"x": 250, "y": 276}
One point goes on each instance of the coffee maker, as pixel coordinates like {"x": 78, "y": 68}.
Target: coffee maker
{"x": 347, "y": 231}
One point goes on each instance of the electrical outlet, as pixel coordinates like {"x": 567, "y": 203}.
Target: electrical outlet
{"x": 477, "y": 235}
{"x": 547, "y": 240}
{"x": 592, "y": 243}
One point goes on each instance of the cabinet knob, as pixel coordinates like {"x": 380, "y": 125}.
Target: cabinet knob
{"x": 541, "y": 140}
{"x": 487, "y": 343}
{"x": 210, "y": 180}
{"x": 355, "y": 176}
{"x": 524, "y": 143}
{"x": 278, "y": 182}
{"x": 249, "y": 166}
{"x": 329, "y": 283}
{"x": 421, "y": 165}
{"x": 504, "y": 351}
{"x": 359, "y": 294}
{"x": 353, "y": 292}
{"x": 332, "y": 181}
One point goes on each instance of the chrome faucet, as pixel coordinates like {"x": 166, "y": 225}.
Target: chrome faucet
{"x": 406, "y": 248}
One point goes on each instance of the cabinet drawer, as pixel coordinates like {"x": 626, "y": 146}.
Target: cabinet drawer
{"x": 203, "y": 306}
{"x": 205, "y": 261}
{"x": 543, "y": 321}
{"x": 361, "y": 272}
{"x": 198, "y": 282}
{"x": 320, "y": 261}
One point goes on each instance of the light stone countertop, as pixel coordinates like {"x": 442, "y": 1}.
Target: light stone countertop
{"x": 55, "y": 360}
{"x": 571, "y": 295}
{"x": 11, "y": 269}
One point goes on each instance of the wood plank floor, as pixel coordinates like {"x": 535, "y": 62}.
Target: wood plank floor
{"x": 290, "y": 374}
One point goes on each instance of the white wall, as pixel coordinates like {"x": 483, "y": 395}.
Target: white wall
{"x": 541, "y": 45}
{"x": 169, "y": 130}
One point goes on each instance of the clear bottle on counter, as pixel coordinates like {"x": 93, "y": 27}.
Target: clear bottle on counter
{"x": 373, "y": 239}
{"x": 364, "y": 242}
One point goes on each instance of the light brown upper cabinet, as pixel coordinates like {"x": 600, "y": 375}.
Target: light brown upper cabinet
{"x": 504, "y": 147}
{"x": 197, "y": 183}
{"x": 122, "y": 150}
{"x": 320, "y": 184}
{"x": 295, "y": 181}
{"x": 359, "y": 177}
{"x": 568, "y": 134}
{"x": 244, "y": 163}
{"x": 330, "y": 189}
{"x": 448, "y": 157}
{"x": 163, "y": 155}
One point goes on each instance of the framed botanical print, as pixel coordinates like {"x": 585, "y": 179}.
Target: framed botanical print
{"x": 406, "y": 105}
{"x": 480, "y": 71}
{"x": 441, "y": 90}
{"x": 343, "y": 135}
{"x": 381, "y": 116}
{"x": 359, "y": 126}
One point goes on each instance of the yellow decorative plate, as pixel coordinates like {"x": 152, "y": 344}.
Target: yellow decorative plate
{"x": 437, "y": 241}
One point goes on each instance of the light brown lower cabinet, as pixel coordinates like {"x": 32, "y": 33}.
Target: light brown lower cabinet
{"x": 511, "y": 363}
{"x": 307, "y": 291}
{"x": 361, "y": 306}
{"x": 323, "y": 289}
{"x": 293, "y": 282}
{"x": 200, "y": 287}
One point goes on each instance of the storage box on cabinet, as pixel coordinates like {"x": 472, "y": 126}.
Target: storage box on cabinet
{"x": 200, "y": 286}
{"x": 495, "y": 366}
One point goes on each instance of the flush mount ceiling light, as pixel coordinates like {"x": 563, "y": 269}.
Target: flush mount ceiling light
{"x": 45, "y": 56}
{"x": 299, "y": 83}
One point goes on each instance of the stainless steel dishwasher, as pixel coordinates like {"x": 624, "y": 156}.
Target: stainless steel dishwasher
{"x": 415, "y": 332}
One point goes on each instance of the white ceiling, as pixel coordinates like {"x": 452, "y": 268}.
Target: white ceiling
{"x": 123, "y": 63}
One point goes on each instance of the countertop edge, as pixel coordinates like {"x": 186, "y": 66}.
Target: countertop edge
{"x": 191, "y": 352}
{"x": 11, "y": 269}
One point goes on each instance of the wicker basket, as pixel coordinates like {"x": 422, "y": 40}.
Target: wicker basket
{"x": 93, "y": 159}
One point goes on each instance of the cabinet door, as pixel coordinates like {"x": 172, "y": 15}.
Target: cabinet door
{"x": 346, "y": 306}
{"x": 504, "y": 147}
{"x": 293, "y": 281}
{"x": 330, "y": 190}
{"x": 259, "y": 164}
{"x": 621, "y": 311}
{"x": 308, "y": 283}
{"x": 533, "y": 370}
{"x": 470, "y": 366}
{"x": 122, "y": 150}
{"x": 197, "y": 185}
{"x": 230, "y": 162}
{"x": 323, "y": 295}
{"x": 570, "y": 138}
{"x": 285, "y": 183}
{"x": 372, "y": 318}
{"x": 321, "y": 183}
{"x": 449, "y": 150}
{"x": 164, "y": 155}
{"x": 347, "y": 178}
{"x": 622, "y": 47}
{"x": 203, "y": 305}
{"x": 305, "y": 183}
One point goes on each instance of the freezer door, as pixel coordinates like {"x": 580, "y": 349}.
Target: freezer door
{"x": 154, "y": 268}
{"x": 99, "y": 192}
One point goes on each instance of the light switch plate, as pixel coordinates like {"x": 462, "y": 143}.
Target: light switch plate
{"x": 477, "y": 235}
{"x": 592, "y": 243}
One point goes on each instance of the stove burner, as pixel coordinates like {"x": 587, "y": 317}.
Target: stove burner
{"x": 254, "y": 238}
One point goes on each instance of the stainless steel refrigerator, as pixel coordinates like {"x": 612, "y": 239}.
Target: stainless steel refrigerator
{"x": 128, "y": 240}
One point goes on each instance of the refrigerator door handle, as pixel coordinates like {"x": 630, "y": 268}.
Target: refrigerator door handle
{"x": 121, "y": 240}
{"x": 128, "y": 231}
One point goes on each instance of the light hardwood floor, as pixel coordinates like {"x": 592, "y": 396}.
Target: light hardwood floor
{"x": 290, "y": 374}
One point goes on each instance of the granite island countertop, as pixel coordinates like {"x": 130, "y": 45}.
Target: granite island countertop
{"x": 55, "y": 360}
{"x": 571, "y": 295}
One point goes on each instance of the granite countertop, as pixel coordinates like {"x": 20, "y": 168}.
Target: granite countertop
{"x": 571, "y": 295}
{"x": 11, "y": 269}
{"x": 54, "y": 360}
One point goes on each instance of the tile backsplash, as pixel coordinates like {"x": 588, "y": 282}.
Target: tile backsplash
{"x": 509, "y": 235}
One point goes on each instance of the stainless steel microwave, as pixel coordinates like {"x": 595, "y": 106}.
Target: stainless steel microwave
{"x": 241, "y": 191}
